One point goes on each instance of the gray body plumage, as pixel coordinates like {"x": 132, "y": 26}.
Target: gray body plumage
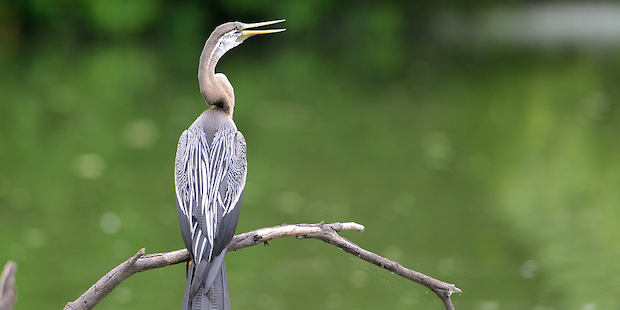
{"x": 210, "y": 173}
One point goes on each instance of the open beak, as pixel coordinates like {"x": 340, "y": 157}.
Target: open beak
{"x": 245, "y": 33}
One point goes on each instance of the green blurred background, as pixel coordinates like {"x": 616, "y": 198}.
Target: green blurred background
{"x": 477, "y": 143}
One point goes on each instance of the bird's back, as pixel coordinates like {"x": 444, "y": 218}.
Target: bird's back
{"x": 210, "y": 178}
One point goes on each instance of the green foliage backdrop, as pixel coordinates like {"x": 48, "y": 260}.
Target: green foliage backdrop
{"x": 496, "y": 169}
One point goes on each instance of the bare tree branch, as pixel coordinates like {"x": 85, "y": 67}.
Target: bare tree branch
{"x": 442, "y": 289}
{"x": 326, "y": 232}
{"x": 8, "y": 295}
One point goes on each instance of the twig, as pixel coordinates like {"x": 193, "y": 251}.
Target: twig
{"x": 8, "y": 295}
{"x": 321, "y": 231}
{"x": 442, "y": 289}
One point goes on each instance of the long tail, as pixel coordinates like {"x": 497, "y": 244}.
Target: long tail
{"x": 215, "y": 298}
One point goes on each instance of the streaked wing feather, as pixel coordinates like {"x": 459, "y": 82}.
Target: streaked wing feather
{"x": 235, "y": 183}
{"x": 209, "y": 182}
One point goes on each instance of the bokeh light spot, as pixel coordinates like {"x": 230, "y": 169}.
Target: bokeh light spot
{"x": 438, "y": 150}
{"x": 123, "y": 294}
{"x": 110, "y": 223}
{"x": 334, "y": 301}
{"x": 393, "y": 253}
{"x": 358, "y": 278}
{"x": 291, "y": 203}
{"x": 488, "y": 305}
{"x": 589, "y": 306}
{"x": 35, "y": 237}
{"x": 89, "y": 166}
{"x": 528, "y": 268}
{"x": 141, "y": 134}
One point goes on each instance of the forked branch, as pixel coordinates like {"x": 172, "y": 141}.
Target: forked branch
{"x": 326, "y": 232}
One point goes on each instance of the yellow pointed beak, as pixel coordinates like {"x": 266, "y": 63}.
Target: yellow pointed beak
{"x": 255, "y": 32}
{"x": 245, "y": 33}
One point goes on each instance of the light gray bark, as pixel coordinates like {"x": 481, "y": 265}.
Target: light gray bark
{"x": 326, "y": 232}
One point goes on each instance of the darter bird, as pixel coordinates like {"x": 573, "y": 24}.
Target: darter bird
{"x": 210, "y": 173}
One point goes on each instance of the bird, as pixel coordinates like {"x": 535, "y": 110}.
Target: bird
{"x": 210, "y": 174}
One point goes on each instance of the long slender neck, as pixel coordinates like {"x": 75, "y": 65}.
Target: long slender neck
{"x": 215, "y": 88}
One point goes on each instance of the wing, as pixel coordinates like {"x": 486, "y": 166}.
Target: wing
{"x": 192, "y": 172}
{"x": 209, "y": 180}
{"x": 237, "y": 172}
{"x": 231, "y": 192}
{"x": 181, "y": 187}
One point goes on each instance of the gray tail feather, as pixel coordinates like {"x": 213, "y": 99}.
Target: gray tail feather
{"x": 216, "y": 298}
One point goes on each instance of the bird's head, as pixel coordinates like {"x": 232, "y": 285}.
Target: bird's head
{"x": 215, "y": 88}
{"x": 228, "y": 35}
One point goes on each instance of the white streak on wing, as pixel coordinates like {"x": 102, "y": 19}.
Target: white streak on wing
{"x": 202, "y": 250}
{"x": 196, "y": 244}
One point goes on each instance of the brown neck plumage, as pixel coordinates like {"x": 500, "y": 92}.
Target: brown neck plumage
{"x": 215, "y": 88}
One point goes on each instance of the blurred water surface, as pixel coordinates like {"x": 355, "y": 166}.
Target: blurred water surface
{"x": 493, "y": 167}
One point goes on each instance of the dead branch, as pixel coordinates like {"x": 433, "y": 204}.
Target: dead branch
{"x": 326, "y": 232}
{"x": 8, "y": 295}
